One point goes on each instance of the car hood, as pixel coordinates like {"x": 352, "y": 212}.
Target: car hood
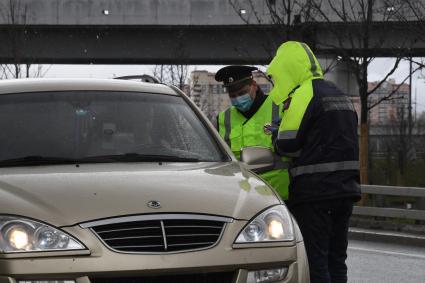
{"x": 67, "y": 194}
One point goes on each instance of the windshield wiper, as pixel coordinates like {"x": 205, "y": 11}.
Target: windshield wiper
{"x": 33, "y": 160}
{"x": 138, "y": 157}
{"x": 36, "y": 160}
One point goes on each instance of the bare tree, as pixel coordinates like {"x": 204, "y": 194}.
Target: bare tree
{"x": 399, "y": 140}
{"x": 176, "y": 75}
{"x": 392, "y": 94}
{"x": 351, "y": 27}
{"x": 420, "y": 122}
{"x": 295, "y": 16}
{"x": 172, "y": 74}
{"x": 14, "y": 12}
{"x": 285, "y": 15}
{"x": 400, "y": 146}
{"x": 351, "y": 24}
{"x": 417, "y": 15}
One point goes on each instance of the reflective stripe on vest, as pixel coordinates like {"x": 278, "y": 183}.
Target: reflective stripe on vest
{"x": 325, "y": 167}
{"x": 291, "y": 154}
{"x": 287, "y": 135}
{"x": 337, "y": 103}
{"x": 293, "y": 115}
{"x": 227, "y": 127}
{"x": 312, "y": 62}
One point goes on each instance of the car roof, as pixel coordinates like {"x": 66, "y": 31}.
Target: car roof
{"x": 40, "y": 85}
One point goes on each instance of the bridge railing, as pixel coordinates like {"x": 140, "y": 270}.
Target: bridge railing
{"x": 402, "y": 213}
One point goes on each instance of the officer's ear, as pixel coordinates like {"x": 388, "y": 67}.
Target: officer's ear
{"x": 254, "y": 84}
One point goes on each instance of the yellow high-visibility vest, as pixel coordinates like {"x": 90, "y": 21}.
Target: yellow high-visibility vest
{"x": 238, "y": 132}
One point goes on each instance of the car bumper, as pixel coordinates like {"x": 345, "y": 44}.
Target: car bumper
{"x": 101, "y": 262}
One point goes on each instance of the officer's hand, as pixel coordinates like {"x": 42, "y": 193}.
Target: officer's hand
{"x": 271, "y": 129}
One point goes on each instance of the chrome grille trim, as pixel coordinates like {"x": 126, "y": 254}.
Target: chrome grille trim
{"x": 192, "y": 235}
{"x": 160, "y": 233}
{"x": 193, "y": 244}
{"x": 200, "y": 226}
{"x": 139, "y": 246}
{"x": 164, "y": 237}
{"x": 155, "y": 217}
{"x": 117, "y": 230}
{"x": 136, "y": 237}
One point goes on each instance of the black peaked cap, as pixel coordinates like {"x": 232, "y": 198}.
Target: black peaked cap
{"x": 233, "y": 77}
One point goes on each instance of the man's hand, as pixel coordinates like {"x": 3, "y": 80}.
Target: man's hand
{"x": 272, "y": 129}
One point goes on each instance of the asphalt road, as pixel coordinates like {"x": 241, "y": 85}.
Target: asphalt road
{"x": 380, "y": 262}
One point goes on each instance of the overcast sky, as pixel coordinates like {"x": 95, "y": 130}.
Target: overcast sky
{"x": 377, "y": 70}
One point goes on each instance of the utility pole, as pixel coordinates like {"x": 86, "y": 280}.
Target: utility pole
{"x": 410, "y": 102}
{"x": 416, "y": 99}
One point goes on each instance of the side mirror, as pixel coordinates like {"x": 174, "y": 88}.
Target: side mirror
{"x": 258, "y": 159}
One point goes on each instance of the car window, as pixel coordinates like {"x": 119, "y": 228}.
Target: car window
{"x": 81, "y": 124}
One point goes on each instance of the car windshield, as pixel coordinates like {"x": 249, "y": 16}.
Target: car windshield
{"x": 100, "y": 126}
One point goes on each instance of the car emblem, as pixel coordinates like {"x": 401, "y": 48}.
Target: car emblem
{"x": 154, "y": 204}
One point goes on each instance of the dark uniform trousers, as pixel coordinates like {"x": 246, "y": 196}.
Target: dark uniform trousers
{"x": 324, "y": 226}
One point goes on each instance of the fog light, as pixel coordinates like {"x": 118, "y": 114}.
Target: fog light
{"x": 267, "y": 275}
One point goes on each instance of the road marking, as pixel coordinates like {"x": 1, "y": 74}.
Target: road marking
{"x": 386, "y": 252}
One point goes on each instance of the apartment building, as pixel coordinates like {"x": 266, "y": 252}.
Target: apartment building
{"x": 394, "y": 108}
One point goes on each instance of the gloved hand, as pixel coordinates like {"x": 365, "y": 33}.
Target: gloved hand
{"x": 272, "y": 129}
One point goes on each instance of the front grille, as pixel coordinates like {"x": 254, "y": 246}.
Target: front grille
{"x": 218, "y": 277}
{"x": 160, "y": 235}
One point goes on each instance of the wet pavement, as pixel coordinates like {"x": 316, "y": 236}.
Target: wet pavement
{"x": 385, "y": 262}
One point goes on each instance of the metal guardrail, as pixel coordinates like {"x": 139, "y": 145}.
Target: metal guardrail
{"x": 393, "y": 191}
{"x": 391, "y": 212}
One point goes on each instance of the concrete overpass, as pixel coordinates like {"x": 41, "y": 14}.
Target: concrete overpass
{"x": 168, "y": 31}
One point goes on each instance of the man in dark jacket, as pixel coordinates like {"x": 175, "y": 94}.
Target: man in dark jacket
{"x": 319, "y": 131}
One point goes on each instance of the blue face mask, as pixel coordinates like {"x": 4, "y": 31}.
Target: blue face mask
{"x": 242, "y": 102}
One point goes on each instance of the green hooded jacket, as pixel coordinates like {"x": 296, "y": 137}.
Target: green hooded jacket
{"x": 293, "y": 66}
{"x": 318, "y": 128}
{"x": 292, "y": 71}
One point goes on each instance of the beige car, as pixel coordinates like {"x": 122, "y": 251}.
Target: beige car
{"x": 121, "y": 181}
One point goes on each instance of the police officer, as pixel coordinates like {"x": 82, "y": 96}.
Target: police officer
{"x": 250, "y": 120}
{"x": 319, "y": 130}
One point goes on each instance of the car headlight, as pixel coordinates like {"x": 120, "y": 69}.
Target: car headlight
{"x": 24, "y": 235}
{"x": 274, "y": 224}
